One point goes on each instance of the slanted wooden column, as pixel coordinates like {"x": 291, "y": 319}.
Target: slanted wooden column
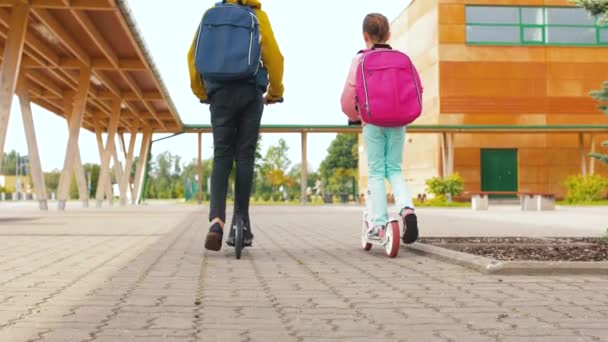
{"x": 32, "y": 146}
{"x": 304, "y": 168}
{"x": 11, "y": 64}
{"x": 450, "y": 147}
{"x": 81, "y": 180}
{"x": 447, "y": 154}
{"x": 141, "y": 164}
{"x": 117, "y": 170}
{"x": 100, "y": 147}
{"x": 108, "y": 152}
{"x": 75, "y": 121}
{"x": 199, "y": 193}
{"x": 592, "y": 160}
{"x": 581, "y": 145}
{"x": 126, "y": 175}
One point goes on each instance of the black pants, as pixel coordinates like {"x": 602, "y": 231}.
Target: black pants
{"x": 236, "y": 113}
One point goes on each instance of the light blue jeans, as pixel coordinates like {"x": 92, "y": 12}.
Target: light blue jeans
{"x": 384, "y": 157}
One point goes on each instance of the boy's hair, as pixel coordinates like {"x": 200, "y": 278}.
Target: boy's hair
{"x": 377, "y": 27}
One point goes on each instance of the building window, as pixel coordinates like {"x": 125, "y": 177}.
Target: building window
{"x": 505, "y": 25}
{"x": 604, "y": 36}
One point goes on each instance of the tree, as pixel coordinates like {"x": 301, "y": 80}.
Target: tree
{"x": 598, "y": 8}
{"x": 93, "y": 170}
{"x": 602, "y": 96}
{"x": 342, "y": 154}
{"x": 341, "y": 182}
{"x": 9, "y": 164}
{"x": 52, "y": 181}
{"x": 277, "y": 158}
{"x": 272, "y": 171}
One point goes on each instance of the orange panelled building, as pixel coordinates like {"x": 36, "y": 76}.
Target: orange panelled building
{"x": 503, "y": 62}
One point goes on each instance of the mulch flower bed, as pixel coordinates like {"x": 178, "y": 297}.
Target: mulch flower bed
{"x": 527, "y": 249}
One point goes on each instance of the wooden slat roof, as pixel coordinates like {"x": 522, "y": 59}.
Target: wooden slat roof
{"x": 64, "y": 35}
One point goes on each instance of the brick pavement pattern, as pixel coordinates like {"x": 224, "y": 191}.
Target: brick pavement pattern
{"x": 141, "y": 274}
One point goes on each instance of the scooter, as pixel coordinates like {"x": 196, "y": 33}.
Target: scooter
{"x": 388, "y": 237}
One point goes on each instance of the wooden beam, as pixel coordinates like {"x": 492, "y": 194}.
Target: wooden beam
{"x": 444, "y": 155}
{"x": 592, "y": 160}
{"x": 304, "y": 168}
{"x": 114, "y": 89}
{"x": 133, "y": 85}
{"x": 581, "y": 144}
{"x": 66, "y": 39}
{"x": 126, "y": 175}
{"x": 96, "y": 36}
{"x": 108, "y": 52}
{"x": 81, "y": 181}
{"x": 141, "y": 164}
{"x": 11, "y": 64}
{"x": 450, "y": 147}
{"x": 32, "y": 147}
{"x": 64, "y": 36}
{"x": 91, "y": 5}
{"x": 100, "y": 147}
{"x": 130, "y": 96}
{"x": 72, "y": 149}
{"x": 109, "y": 150}
{"x": 96, "y": 64}
{"x": 117, "y": 169}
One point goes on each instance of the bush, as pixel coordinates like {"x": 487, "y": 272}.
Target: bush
{"x": 446, "y": 187}
{"x": 585, "y": 189}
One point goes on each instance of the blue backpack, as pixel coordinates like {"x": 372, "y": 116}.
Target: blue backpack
{"x": 228, "y": 43}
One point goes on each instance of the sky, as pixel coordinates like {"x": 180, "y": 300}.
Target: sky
{"x": 318, "y": 39}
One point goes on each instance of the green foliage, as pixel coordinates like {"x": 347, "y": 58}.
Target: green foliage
{"x": 597, "y": 8}
{"x": 272, "y": 173}
{"x": 342, "y": 153}
{"x": 441, "y": 201}
{"x": 585, "y": 189}
{"x": 276, "y": 157}
{"x": 52, "y": 181}
{"x": 94, "y": 171}
{"x": 165, "y": 181}
{"x": 446, "y": 187}
{"x": 74, "y": 194}
{"x": 341, "y": 182}
{"x": 602, "y": 97}
{"x": 9, "y": 164}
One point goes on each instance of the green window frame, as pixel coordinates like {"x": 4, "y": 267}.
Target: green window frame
{"x": 602, "y": 36}
{"x": 527, "y": 28}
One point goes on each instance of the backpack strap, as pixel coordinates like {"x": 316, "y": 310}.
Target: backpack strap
{"x": 381, "y": 46}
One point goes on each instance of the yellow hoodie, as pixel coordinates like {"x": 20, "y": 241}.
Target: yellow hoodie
{"x": 271, "y": 57}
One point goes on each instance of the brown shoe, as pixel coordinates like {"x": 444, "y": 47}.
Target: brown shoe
{"x": 213, "y": 242}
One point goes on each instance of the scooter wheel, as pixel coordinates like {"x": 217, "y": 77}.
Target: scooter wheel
{"x": 366, "y": 245}
{"x": 393, "y": 239}
{"x": 238, "y": 238}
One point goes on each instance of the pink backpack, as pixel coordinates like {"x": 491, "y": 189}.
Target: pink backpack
{"x": 389, "y": 92}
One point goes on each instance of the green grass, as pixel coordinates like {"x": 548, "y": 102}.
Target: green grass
{"x": 319, "y": 202}
{"x": 591, "y": 204}
{"x": 435, "y": 204}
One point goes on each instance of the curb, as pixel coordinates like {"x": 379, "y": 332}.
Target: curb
{"x": 492, "y": 266}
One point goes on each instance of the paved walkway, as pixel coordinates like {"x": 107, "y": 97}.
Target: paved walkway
{"x": 140, "y": 274}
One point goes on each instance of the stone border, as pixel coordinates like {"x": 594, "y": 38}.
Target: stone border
{"x": 492, "y": 266}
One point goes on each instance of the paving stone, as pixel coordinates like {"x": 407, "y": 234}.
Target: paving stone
{"x": 140, "y": 274}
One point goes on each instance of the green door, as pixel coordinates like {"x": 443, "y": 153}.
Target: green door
{"x": 499, "y": 170}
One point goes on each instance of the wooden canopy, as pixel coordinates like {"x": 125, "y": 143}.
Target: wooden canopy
{"x": 64, "y": 36}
